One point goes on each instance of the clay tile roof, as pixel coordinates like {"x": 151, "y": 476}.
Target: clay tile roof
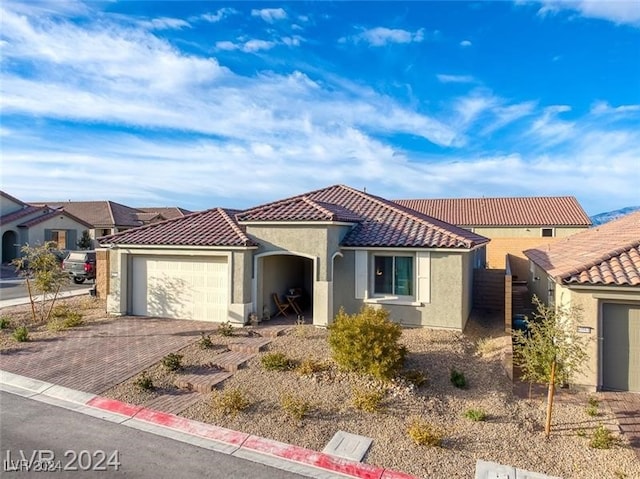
{"x": 608, "y": 254}
{"x": 48, "y": 214}
{"x": 148, "y": 217}
{"x": 378, "y": 222}
{"x": 99, "y": 214}
{"x": 167, "y": 212}
{"x": 16, "y": 215}
{"x": 300, "y": 208}
{"x": 524, "y": 211}
{"x": 215, "y": 227}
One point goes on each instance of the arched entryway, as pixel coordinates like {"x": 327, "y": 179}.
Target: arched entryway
{"x": 282, "y": 274}
{"x": 9, "y": 246}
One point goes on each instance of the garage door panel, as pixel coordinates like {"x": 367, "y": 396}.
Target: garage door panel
{"x": 185, "y": 288}
{"x": 621, "y": 347}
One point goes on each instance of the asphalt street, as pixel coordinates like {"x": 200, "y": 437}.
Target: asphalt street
{"x": 17, "y": 288}
{"x": 35, "y": 435}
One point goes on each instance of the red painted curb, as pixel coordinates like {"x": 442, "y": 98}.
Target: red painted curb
{"x": 192, "y": 427}
{"x": 312, "y": 458}
{"x": 113, "y": 405}
{"x": 246, "y": 441}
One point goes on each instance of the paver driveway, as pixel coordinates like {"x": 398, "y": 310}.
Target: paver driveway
{"x": 98, "y": 356}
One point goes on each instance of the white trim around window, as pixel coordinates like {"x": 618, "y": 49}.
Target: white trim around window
{"x": 378, "y": 270}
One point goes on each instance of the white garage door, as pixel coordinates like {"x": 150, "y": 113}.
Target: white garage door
{"x": 181, "y": 288}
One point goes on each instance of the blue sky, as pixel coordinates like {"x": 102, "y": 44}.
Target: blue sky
{"x": 205, "y": 104}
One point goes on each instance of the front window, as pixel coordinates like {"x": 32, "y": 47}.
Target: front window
{"x": 393, "y": 275}
{"x": 59, "y": 237}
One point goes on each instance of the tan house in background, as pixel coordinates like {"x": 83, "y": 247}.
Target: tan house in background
{"x": 513, "y": 224}
{"x": 109, "y": 217}
{"x": 598, "y": 270}
{"x": 21, "y": 223}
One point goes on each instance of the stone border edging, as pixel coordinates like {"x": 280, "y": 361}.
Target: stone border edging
{"x": 255, "y": 448}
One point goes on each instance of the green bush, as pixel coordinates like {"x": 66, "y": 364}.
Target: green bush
{"x": 172, "y": 361}
{"x": 475, "y": 414}
{"x": 205, "y": 341}
{"x": 367, "y": 400}
{"x": 415, "y": 377}
{"x": 367, "y": 342}
{"x": 296, "y": 407}
{"x": 225, "y": 329}
{"x": 601, "y": 438}
{"x": 5, "y": 322}
{"x": 144, "y": 382}
{"x": 424, "y": 434}
{"x": 276, "y": 362}
{"x": 591, "y": 410}
{"x": 230, "y": 402}
{"x": 21, "y": 334}
{"x": 458, "y": 379}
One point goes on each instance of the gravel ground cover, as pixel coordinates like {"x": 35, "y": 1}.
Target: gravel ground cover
{"x": 92, "y": 310}
{"x": 511, "y": 434}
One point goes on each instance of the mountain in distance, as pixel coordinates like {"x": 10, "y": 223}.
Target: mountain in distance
{"x": 602, "y": 218}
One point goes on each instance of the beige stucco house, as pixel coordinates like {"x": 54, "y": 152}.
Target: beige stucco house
{"x": 337, "y": 247}
{"x": 22, "y": 224}
{"x": 598, "y": 270}
{"x": 109, "y": 217}
{"x": 513, "y": 224}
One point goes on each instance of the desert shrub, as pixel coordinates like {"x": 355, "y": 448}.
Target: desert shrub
{"x": 592, "y": 411}
{"x": 415, "y": 377}
{"x": 601, "y": 438}
{"x": 21, "y": 334}
{"x": 230, "y": 402}
{"x": 307, "y": 367}
{"x": 276, "y": 362}
{"x": 5, "y": 322}
{"x": 475, "y": 414}
{"x": 295, "y": 407}
{"x": 424, "y": 434}
{"x": 367, "y": 400}
{"x": 205, "y": 341}
{"x": 225, "y": 329}
{"x": 63, "y": 317}
{"x": 172, "y": 362}
{"x": 144, "y": 382}
{"x": 458, "y": 379}
{"x": 367, "y": 342}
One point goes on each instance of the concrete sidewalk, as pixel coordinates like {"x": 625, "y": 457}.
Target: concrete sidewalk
{"x": 6, "y": 303}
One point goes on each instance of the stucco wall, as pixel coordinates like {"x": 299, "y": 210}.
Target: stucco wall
{"x": 540, "y": 287}
{"x": 449, "y": 305}
{"x": 58, "y": 222}
{"x": 7, "y": 206}
{"x": 515, "y": 240}
{"x": 590, "y": 303}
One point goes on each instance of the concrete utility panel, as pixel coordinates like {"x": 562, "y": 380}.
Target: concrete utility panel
{"x": 493, "y": 470}
{"x": 348, "y": 446}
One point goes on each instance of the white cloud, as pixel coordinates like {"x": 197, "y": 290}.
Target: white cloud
{"x": 381, "y": 36}
{"x": 270, "y": 15}
{"x": 603, "y": 108}
{"x": 249, "y": 46}
{"x": 619, "y": 11}
{"x": 465, "y": 43}
{"x": 442, "y": 78}
{"x": 218, "y": 15}
{"x": 165, "y": 23}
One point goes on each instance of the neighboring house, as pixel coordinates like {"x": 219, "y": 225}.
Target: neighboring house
{"x": 22, "y": 224}
{"x": 109, "y": 217}
{"x": 342, "y": 247}
{"x": 512, "y": 224}
{"x": 598, "y": 271}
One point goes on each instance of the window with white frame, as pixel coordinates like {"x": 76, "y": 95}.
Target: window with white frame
{"x": 382, "y": 276}
{"x": 393, "y": 275}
